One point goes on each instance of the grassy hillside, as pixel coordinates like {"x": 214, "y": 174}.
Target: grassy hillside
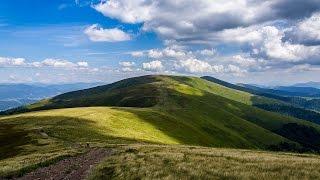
{"x": 185, "y": 162}
{"x": 35, "y": 137}
{"x": 155, "y": 109}
{"x": 225, "y": 115}
{"x": 272, "y": 100}
{"x": 305, "y": 101}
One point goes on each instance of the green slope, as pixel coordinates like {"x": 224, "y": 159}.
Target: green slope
{"x": 297, "y": 107}
{"x": 212, "y": 114}
{"x": 148, "y": 109}
{"x": 185, "y": 162}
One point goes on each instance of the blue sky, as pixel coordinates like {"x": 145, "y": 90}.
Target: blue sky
{"x": 251, "y": 41}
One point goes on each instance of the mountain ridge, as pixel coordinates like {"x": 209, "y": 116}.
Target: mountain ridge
{"x": 212, "y": 114}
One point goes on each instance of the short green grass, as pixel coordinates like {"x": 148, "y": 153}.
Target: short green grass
{"x": 67, "y": 130}
{"x": 186, "y": 162}
{"x": 185, "y": 111}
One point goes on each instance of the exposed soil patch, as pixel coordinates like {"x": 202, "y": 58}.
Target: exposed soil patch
{"x": 73, "y": 168}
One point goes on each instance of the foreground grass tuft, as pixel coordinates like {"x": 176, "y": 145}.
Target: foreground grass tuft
{"x": 185, "y": 162}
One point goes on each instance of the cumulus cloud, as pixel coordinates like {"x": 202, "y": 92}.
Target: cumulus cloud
{"x": 267, "y": 42}
{"x": 306, "y": 32}
{"x": 180, "y": 60}
{"x": 273, "y": 46}
{"x": 197, "y": 66}
{"x": 59, "y": 63}
{"x": 192, "y": 65}
{"x": 82, "y": 64}
{"x": 235, "y": 70}
{"x": 245, "y": 61}
{"x": 153, "y": 66}
{"x": 49, "y": 62}
{"x": 195, "y": 20}
{"x": 98, "y": 34}
{"x": 268, "y": 34}
{"x": 127, "y": 66}
{"x": 153, "y": 53}
{"x": 126, "y": 10}
{"x": 168, "y": 52}
{"x": 310, "y": 28}
{"x": 127, "y": 63}
{"x": 6, "y": 61}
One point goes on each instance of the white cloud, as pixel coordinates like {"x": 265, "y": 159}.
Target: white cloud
{"x": 196, "y": 20}
{"x": 192, "y": 65}
{"x": 198, "y": 62}
{"x": 98, "y": 34}
{"x": 55, "y": 63}
{"x": 126, "y": 69}
{"x": 127, "y": 63}
{"x": 137, "y": 53}
{"x": 244, "y": 61}
{"x": 257, "y": 29}
{"x": 311, "y": 26}
{"x": 58, "y": 63}
{"x": 153, "y": 53}
{"x": 303, "y": 68}
{"x": 267, "y": 41}
{"x": 307, "y": 31}
{"x": 153, "y": 66}
{"x": 18, "y": 61}
{"x": 173, "y": 53}
{"x": 208, "y": 52}
{"x": 127, "y": 66}
{"x": 235, "y": 70}
{"x": 82, "y": 64}
{"x": 6, "y": 61}
{"x": 128, "y": 11}
{"x": 273, "y": 46}
{"x": 239, "y": 35}
{"x": 168, "y": 52}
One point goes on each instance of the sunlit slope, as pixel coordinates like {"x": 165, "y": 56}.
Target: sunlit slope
{"x": 188, "y": 110}
{"x": 297, "y": 107}
{"x": 30, "y": 138}
{"x": 155, "y": 109}
{"x": 109, "y": 124}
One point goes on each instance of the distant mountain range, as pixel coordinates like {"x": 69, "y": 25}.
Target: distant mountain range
{"x": 303, "y": 97}
{"x": 299, "y": 91}
{"x": 286, "y": 90}
{"x": 308, "y": 84}
{"x": 14, "y": 95}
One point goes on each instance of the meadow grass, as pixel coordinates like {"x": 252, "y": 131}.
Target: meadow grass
{"x": 31, "y": 139}
{"x": 189, "y": 162}
{"x": 189, "y": 111}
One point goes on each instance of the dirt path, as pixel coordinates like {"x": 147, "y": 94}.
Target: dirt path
{"x": 73, "y": 168}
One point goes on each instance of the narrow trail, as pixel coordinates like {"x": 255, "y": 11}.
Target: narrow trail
{"x": 73, "y": 168}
